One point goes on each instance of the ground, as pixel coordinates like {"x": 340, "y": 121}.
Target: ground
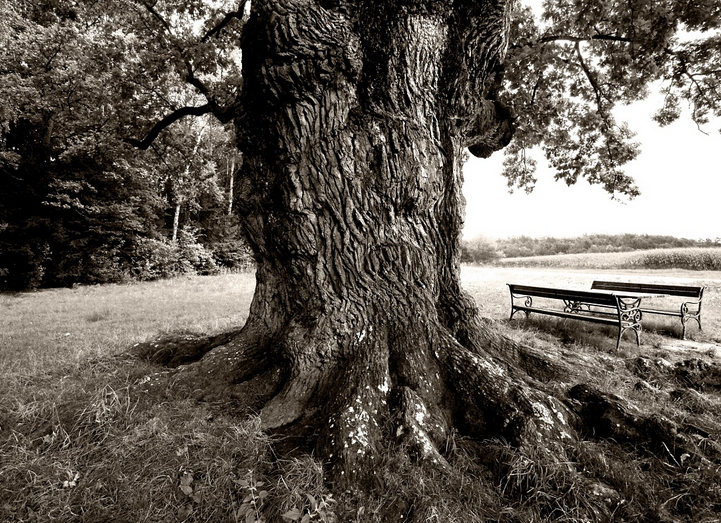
{"x": 79, "y": 442}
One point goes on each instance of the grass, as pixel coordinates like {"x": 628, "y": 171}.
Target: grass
{"x": 78, "y": 445}
{"x": 41, "y": 329}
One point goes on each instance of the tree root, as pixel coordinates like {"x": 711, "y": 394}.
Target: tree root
{"x": 350, "y": 398}
{"x": 174, "y": 350}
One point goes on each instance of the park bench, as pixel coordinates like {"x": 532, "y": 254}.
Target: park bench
{"x": 688, "y": 310}
{"x": 593, "y": 306}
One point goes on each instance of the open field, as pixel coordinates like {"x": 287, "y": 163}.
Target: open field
{"x": 41, "y": 329}
{"x": 78, "y": 444}
{"x": 688, "y": 258}
{"x": 488, "y": 286}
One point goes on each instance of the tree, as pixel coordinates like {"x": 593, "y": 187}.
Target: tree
{"x": 354, "y": 122}
{"x": 77, "y": 203}
{"x": 353, "y": 119}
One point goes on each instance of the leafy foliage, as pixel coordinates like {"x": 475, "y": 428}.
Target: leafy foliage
{"x": 81, "y": 81}
{"x": 566, "y": 71}
{"x": 78, "y": 204}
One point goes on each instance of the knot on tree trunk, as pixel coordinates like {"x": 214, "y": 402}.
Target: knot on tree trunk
{"x": 491, "y": 131}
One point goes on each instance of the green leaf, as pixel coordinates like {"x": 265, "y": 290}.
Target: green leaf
{"x": 293, "y": 514}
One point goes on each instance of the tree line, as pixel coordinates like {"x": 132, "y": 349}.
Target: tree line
{"x": 485, "y": 250}
{"x": 79, "y": 202}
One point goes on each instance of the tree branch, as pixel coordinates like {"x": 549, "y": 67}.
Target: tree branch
{"x": 166, "y": 122}
{"x": 223, "y": 114}
{"x": 229, "y": 17}
{"x": 578, "y": 39}
{"x": 590, "y": 76}
{"x": 152, "y": 11}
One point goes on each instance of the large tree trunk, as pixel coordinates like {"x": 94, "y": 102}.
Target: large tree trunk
{"x": 356, "y": 123}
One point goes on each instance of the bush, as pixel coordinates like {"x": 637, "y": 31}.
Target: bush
{"x": 156, "y": 259}
{"x": 478, "y": 250}
{"x": 233, "y": 255}
{"x": 194, "y": 254}
{"x": 22, "y": 266}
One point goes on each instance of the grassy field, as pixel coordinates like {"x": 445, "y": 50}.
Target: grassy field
{"x": 78, "y": 444}
{"x": 42, "y": 329}
{"x": 689, "y": 258}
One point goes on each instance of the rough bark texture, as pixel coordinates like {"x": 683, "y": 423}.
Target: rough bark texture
{"x": 357, "y": 118}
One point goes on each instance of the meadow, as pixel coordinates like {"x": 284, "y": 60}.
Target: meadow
{"x": 686, "y": 258}
{"x": 78, "y": 444}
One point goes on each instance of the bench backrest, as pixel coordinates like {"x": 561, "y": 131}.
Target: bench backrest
{"x": 564, "y": 294}
{"x": 673, "y": 290}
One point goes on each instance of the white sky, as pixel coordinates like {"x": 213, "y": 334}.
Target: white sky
{"x": 678, "y": 173}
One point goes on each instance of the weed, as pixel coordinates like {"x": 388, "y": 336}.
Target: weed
{"x": 255, "y": 498}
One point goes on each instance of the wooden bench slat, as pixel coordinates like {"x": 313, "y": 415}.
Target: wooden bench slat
{"x": 565, "y": 294}
{"x": 674, "y": 290}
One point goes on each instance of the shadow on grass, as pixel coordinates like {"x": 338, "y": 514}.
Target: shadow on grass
{"x": 568, "y": 332}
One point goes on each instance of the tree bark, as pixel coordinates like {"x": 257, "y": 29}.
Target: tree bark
{"x": 356, "y": 122}
{"x": 176, "y": 222}
{"x": 231, "y": 180}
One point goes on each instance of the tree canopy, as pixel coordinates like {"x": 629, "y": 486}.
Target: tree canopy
{"x": 89, "y": 77}
{"x": 78, "y": 202}
{"x": 566, "y": 72}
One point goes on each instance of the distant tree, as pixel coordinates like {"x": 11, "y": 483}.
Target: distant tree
{"x": 75, "y": 198}
{"x": 478, "y": 250}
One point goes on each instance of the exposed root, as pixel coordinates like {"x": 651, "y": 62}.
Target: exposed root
{"x": 421, "y": 428}
{"x": 495, "y": 401}
{"x": 354, "y": 411}
{"x": 178, "y": 349}
{"x": 461, "y": 317}
{"x": 290, "y": 404}
{"x": 213, "y": 367}
{"x": 606, "y": 416}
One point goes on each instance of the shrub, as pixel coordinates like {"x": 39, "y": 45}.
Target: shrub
{"x": 478, "y": 250}
{"x": 194, "y": 254}
{"x": 233, "y": 255}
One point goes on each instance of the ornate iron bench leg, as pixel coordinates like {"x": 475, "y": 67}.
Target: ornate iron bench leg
{"x": 686, "y": 315}
{"x": 629, "y": 316}
{"x": 683, "y": 327}
{"x": 528, "y": 302}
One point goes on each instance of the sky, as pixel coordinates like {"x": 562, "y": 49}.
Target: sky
{"x": 678, "y": 173}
